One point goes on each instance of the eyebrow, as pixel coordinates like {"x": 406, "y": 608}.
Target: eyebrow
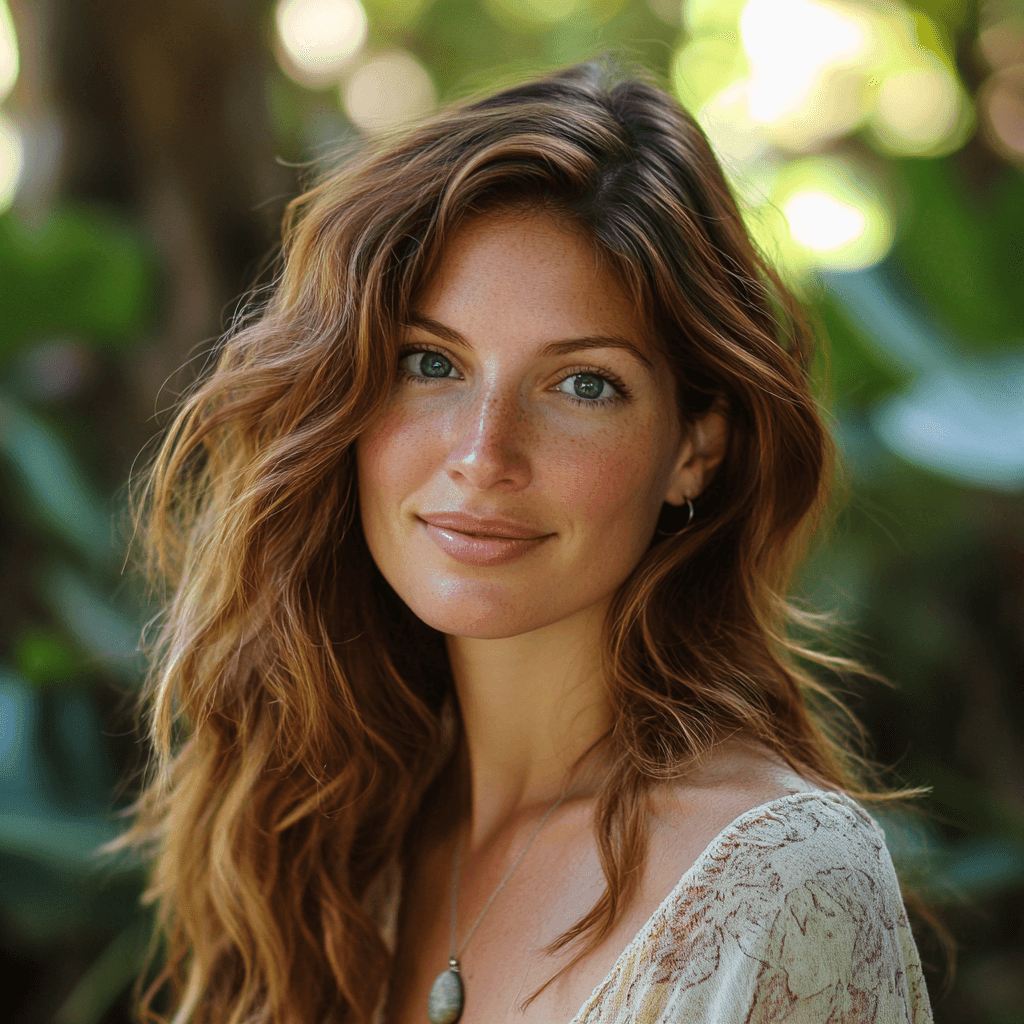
{"x": 553, "y": 348}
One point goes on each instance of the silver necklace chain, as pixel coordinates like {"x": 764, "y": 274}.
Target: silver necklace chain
{"x": 454, "y": 956}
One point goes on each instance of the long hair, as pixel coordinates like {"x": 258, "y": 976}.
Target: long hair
{"x": 294, "y": 704}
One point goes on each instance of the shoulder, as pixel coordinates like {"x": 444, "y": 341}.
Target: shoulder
{"x": 786, "y": 842}
{"x": 769, "y": 830}
{"x": 816, "y": 906}
{"x": 808, "y": 862}
{"x": 809, "y": 855}
{"x": 794, "y": 914}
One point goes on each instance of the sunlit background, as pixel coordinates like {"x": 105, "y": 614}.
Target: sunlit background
{"x": 876, "y": 146}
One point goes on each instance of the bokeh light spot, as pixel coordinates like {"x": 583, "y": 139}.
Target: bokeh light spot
{"x": 12, "y": 161}
{"x": 8, "y": 51}
{"x": 387, "y": 91}
{"x": 822, "y": 223}
{"x": 791, "y": 44}
{"x": 1002, "y": 42}
{"x": 834, "y": 213}
{"x": 917, "y": 109}
{"x": 1002, "y": 102}
{"x": 705, "y": 67}
{"x": 318, "y": 38}
{"x": 703, "y": 17}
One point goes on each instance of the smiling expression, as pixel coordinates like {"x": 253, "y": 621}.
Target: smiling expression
{"x": 516, "y": 476}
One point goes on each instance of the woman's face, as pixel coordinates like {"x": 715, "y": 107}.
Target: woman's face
{"x": 516, "y": 477}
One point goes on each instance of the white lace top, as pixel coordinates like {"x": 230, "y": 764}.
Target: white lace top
{"x": 792, "y": 914}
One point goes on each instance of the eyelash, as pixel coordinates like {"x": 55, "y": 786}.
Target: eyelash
{"x": 616, "y": 382}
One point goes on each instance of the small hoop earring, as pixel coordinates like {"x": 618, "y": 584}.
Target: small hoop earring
{"x": 689, "y": 519}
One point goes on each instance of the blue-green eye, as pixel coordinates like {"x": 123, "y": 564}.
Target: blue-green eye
{"x": 588, "y": 386}
{"x": 427, "y": 364}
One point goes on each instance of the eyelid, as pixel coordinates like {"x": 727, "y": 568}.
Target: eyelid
{"x": 423, "y": 346}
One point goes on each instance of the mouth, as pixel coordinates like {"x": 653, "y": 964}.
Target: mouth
{"x": 479, "y": 541}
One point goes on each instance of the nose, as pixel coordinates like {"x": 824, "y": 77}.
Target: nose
{"x": 489, "y": 443}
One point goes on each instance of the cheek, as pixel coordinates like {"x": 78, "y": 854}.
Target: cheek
{"x": 390, "y": 457}
{"x": 613, "y": 481}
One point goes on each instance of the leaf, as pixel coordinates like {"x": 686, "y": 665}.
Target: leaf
{"x": 973, "y": 868}
{"x": 92, "y": 620}
{"x": 45, "y": 658}
{"x": 32, "y": 824}
{"x": 964, "y": 251}
{"x": 20, "y": 763}
{"x": 963, "y": 415}
{"x": 62, "y": 842}
{"x": 108, "y": 976}
{"x": 60, "y": 493}
{"x": 81, "y": 272}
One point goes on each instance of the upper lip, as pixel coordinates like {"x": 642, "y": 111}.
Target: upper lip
{"x": 486, "y": 526}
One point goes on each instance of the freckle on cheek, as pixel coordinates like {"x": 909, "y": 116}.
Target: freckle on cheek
{"x": 602, "y": 476}
{"x": 394, "y": 442}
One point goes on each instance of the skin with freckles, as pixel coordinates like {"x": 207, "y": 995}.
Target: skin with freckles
{"x": 506, "y": 434}
{"x": 530, "y": 392}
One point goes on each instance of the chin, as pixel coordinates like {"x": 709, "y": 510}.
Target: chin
{"x": 479, "y": 610}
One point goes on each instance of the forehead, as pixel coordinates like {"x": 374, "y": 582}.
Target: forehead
{"x": 528, "y": 272}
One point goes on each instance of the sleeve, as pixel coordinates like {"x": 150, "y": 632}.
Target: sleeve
{"x": 839, "y": 949}
{"x": 819, "y": 930}
{"x": 793, "y": 916}
{"x": 798, "y": 919}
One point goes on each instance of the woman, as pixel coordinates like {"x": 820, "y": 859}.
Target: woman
{"x": 473, "y": 697}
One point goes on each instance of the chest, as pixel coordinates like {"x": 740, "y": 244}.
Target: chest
{"x": 506, "y": 965}
{"x": 505, "y": 962}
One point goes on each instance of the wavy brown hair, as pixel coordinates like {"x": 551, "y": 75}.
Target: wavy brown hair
{"x": 294, "y": 702}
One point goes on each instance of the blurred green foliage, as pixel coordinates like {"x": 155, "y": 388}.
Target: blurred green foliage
{"x": 961, "y": 250}
{"x": 79, "y": 272}
{"x": 925, "y": 566}
{"x": 87, "y": 275}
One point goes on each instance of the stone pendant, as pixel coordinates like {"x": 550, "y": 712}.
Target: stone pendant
{"x": 444, "y": 1004}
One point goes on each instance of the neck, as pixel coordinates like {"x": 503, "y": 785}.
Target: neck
{"x": 531, "y": 706}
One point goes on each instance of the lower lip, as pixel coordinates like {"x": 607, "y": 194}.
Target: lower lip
{"x": 478, "y": 550}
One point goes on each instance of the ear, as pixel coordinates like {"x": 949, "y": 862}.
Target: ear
{"x": 705, "y": 442}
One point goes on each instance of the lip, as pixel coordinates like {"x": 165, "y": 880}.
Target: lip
{"x": 480, "y": 540}
{"x": 482, "y": 526}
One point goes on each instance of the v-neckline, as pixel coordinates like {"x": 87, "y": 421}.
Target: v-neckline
{"x": 393, "y": 901}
